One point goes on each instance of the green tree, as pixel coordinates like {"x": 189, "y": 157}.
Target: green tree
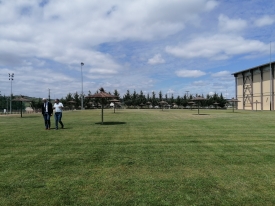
{"x": 222, "y": 101}
{"x": 160, "y": 96}
{"x": 36, "y": 103}
{"x": 134, "y": 98}
{"x": 116, "y": 94}
{"x": 185, "y": 101}
{"x": 141, "y": 98}
{"x": 178, "y": 101}
{"x": 172, "y": 99}
{"x": 154, "y": 100}
{"x": 127, "y": 98}
{"x": 67, "y": 100}
{"x": 166, "y": 97}
{"x": 77, "y": 99}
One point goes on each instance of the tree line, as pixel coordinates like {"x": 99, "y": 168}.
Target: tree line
{"x": 137, "y": 99}
{"x": 134, "y": 99}
{"x": 5, "y": 104}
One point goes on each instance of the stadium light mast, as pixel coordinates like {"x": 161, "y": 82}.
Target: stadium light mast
{"x": 82, "y": 64}
{"x": 11, "y": 76}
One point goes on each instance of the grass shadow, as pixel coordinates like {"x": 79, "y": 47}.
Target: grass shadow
{"x": 111, "y": 123}
{"x": 201, "y": 114}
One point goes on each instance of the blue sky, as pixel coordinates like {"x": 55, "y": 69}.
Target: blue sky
{"x": 171, "y": 46}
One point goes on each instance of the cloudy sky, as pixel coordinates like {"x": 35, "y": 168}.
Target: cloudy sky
{"x": 171, "y": 46}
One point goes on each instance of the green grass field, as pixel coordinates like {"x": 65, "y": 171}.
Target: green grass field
{"x": 139, "y": 157}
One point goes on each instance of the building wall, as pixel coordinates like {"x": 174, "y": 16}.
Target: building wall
{"x": 240, "y": 91}
{"x": 248, "y": 91}
{"x": 266, "y": 89}
{"x": 253, "y": 86}
{"x": 257, "y": 89}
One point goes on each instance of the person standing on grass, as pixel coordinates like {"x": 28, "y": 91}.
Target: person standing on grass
{"x": 58, "y": 113}
{"x": 47, "y": 112}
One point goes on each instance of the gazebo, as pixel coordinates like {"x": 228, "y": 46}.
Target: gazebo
{"x": 101, "y": 95}
{"x": 198, "y": 99}
{"x": 162, "y": 103}
{"x": 148, "y": 103}
{"x": 233, "y": 102}
{"x": 141, "y": 105}
{"x": 21, "y": 99}
{"x": 216, "y": 104}
{"x": 71, "y": 103}
{"x": 114, "y": 101}
{"x": 191, "y": 104}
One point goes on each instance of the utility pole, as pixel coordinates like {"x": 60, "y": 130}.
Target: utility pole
{"x": 187, "y": 94}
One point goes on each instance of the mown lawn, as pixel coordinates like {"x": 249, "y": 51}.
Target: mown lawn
{"x": 139, "y": 157}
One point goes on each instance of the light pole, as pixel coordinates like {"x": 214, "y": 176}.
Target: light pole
{"x": 82, "y": 64}
{"x": 11, "y": 76}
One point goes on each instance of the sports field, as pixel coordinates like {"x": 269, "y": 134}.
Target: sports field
{"x": 139, "y": 157}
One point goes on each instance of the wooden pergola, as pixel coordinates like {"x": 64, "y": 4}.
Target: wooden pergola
{"x": 233, "y": 102}
{"x": 21, "y": 99}
{"x": 114, "y": 101}
{"x": 198, "y": 99}
{"x": 162, "y": 103}
{"x": 101, "y": 95}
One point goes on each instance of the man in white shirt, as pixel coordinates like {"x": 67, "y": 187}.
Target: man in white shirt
{"x": 58, "y": 106}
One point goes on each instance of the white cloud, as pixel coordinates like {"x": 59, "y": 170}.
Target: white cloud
{"x": 231, "y": 25}
{"x": 170, "y": 91}
{"x": 218, "y": 47}
{"x": 264, "y": 21}
{"x": 221, "y": 74}
{"x": 211, "y": 93}
{"x": 102, "y": 71}
{"x": 115, "y": 38}
{"x": 200, "y": 83}
{"x": 157, "y": 59}
{"x": 190, "y": 73}
{"x": 67, "y": 32}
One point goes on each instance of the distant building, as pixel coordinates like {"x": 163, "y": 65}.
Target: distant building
{"x": 254, "y": 87}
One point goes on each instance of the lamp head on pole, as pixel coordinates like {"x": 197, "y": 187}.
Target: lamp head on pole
{"x": 82, "y": 63}
{"x": 11, "y": 76}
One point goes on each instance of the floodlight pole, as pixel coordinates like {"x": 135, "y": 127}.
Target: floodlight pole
{"x": 11, "y": 76}
{"x": 82, "y": 86}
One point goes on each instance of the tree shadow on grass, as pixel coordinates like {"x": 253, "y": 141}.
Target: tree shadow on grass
{"x": 110, "y": 123}
{"x": 201, "y": 114}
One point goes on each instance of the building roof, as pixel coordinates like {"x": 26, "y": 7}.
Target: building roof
{"x": 252, "y": 68}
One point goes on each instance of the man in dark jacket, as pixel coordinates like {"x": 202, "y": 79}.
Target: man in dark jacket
{"x": 47, "y": 112}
